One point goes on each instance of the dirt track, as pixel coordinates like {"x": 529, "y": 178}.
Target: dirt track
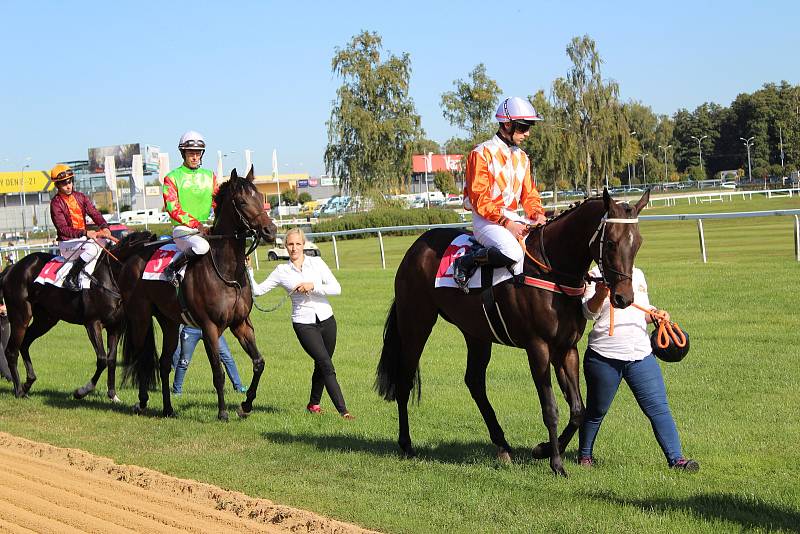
{"x": 49, "y": 489}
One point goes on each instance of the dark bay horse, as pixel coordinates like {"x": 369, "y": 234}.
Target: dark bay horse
{"x": 546, "y": 324}
{"x": 95, "y": 308}
{"x": 216, "y": 293}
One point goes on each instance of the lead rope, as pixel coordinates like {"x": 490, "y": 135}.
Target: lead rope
{"x": 666, "y": 330}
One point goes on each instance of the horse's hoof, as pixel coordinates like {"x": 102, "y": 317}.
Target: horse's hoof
{"x": 171, "y": 414}
{"x": 503, "y": 456}
{"x": 241, "y": 413}
{"x": 113, "y": 398}
{"x": 21, "y": 394}
{"x": 79, "y": 393}
{"x": 559, "y": 470}
{"x": 137, "y": 409}
{"x": 26, "y": 387}
{"x": 542, "y": 451}
{"x": 408, "y": 452}
{"x": 223, "y": 416}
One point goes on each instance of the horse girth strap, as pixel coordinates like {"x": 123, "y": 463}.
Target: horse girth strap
{"x": 549, "y": 285}
{"x": 494, "y": 318}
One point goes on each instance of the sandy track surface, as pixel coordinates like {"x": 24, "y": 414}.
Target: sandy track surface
{"x": 50, "y": 489}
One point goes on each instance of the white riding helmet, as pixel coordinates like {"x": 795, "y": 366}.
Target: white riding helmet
{"x": 516, "y": 109}
{"x": 192, "y": 140}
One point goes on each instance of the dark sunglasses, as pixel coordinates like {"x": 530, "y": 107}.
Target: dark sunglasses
{"x": 67, "y": 181}
{"x": 521, "y": 127}
{"x": 64, "y": 175}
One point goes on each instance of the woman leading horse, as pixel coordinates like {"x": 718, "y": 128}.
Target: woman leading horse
{"x": 547, "y": 324}
{"x": 214, "y": 294}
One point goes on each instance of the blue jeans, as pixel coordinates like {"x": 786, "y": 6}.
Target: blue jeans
{"x": 603, "y": 376}
{"x": 189, "y": 337}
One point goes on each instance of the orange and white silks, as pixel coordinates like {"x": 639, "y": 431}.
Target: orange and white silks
{"x": 499, "y": 178}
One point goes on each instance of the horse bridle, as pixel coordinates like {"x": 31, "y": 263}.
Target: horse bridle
{"x": 601, "y": 229}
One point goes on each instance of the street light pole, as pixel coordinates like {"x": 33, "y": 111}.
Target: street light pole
{"x": 664, "y": 148}
{"x": 748, "y": 143}
{"x": 700, "y": 149}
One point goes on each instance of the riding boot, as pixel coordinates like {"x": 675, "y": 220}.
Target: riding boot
{"x": 495, "y": 258}
{"x": 171, "y": 271}
{"x": 72, "y": 282}
{"x": 465, "y": 266}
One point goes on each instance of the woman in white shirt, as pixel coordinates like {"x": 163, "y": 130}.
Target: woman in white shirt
{"x": 309, "y": 282}
{"x": 627, "y": 354}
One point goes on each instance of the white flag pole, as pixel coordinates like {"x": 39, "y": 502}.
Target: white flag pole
{"x": 277, "y": 180}
{"x": 220, "y": 176}
{"x": 137, "y": 173}
{"x": 248, "y": 161}
{"x": 111, "y": 178}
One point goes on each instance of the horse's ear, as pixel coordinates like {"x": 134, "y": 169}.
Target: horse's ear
{"x": 233, "y": 174}
{"x": 251, "y": 174}
{"x": 643, "y": 201}
{"x": 607, "y": 200}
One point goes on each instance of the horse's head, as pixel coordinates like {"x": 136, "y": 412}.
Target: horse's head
{"x": 248, "y": 207}
{"x": 616, "y": 243}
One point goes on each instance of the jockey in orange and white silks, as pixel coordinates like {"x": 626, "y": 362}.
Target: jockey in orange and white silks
{"x": 498, "y": 183}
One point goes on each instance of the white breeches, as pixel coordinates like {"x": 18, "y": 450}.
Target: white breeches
{"x": 84, "y": 247}
{"x": 491, "y": 234}
{"x": 188, "y": 238}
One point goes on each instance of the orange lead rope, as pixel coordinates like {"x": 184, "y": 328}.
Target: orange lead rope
{"x": 666, "y": 329}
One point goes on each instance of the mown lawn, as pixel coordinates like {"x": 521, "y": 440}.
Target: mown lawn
{"x": 735, "y": 400}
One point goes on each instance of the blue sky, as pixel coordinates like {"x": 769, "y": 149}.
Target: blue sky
{"x": 257, "y": 74}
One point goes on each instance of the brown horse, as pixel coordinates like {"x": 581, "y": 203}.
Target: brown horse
{"x": 546, "y": 324}
{"x": 215, "y": 293}
{"x": 95, "y": 308}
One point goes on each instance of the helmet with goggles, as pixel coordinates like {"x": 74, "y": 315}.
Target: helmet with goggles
{"x": 191, "y": 140}
{"x": 516, "y": 110}
{"x": 61, "y": 173}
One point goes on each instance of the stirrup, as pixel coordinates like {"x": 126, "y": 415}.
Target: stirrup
{"x": 461, "y": 278}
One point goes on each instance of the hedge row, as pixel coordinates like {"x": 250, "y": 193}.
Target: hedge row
{"x": 382, "y": 217}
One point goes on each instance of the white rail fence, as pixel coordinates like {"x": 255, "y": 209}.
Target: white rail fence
{"x": 699, "y": 217}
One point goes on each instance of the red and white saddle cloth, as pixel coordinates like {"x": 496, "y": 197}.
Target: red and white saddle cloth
{"x": 56, "y": 270}
{"x": 460, "y": 246}
{"x": 162, "y": 256}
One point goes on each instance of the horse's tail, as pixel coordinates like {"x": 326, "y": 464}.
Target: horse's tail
{"x": 140, "y": 363}
{"x": 2, "y": 279}
{"x": 390, "y": 366}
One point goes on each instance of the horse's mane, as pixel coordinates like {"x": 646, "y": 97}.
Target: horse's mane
{"x": 131, "y": 242}
{"x": 228, "y": 188}
{"x": 574, "y": 207}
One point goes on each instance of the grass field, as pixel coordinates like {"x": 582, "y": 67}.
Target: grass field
{"x": 735, "y": 399}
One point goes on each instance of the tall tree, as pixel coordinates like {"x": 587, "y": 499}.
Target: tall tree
{"x": 373, "y": 123}
{"x": 585, "y": 98}
{"x": 472, "y": 104}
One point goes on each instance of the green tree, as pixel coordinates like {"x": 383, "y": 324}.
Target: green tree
{"x": 444, "y": 182}
{"x": 289, "y": 197}
{"x": 471, "y": 105}
{"x": 304, "y": 197}
{"x": 590, "y": 107}
{"x": 373, "y": 123}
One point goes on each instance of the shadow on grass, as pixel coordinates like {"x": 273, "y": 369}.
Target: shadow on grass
{"x": 98, "y": 400}
{"x": 747, "y": 513}
{"x": 452, "y": 452}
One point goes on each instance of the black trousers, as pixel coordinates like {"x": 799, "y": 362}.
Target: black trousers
{"x": 319, "y": 341}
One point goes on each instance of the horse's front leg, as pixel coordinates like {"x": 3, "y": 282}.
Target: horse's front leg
{"x": 539, "y": 363}
{"x": 95, "y": 332}
{"x": 478, "y": 355}
{"x": 211, "y": 343}
{"x": 568, "y": 375}
{"x": 245, "y": 333}
{"x": 168, "y": 346}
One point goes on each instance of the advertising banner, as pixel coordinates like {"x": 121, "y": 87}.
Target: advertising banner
{"x": 302, "y": 183}
{"x": 439, "y": 162}
{"x": 137, "y": 172}
{"x": 28, "y": 181}
{"x": 163, "y": 165}
{"x": 313, "y": 182}
{"x": 122, "y": 155}
{"x": 150, "y": 154}
{"x": 111, "y": 173}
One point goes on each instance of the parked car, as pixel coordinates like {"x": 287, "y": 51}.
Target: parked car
{"x": 279, "y": 252}
{"x": 728, "y": 185}
{"x": 546, "y": 194}
{"x": 454, "y": 200}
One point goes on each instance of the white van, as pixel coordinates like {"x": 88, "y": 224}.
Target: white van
{"x": 149, "y": 216}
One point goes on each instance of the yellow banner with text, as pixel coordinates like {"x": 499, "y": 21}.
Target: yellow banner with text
{"x": 28, "y": 181}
